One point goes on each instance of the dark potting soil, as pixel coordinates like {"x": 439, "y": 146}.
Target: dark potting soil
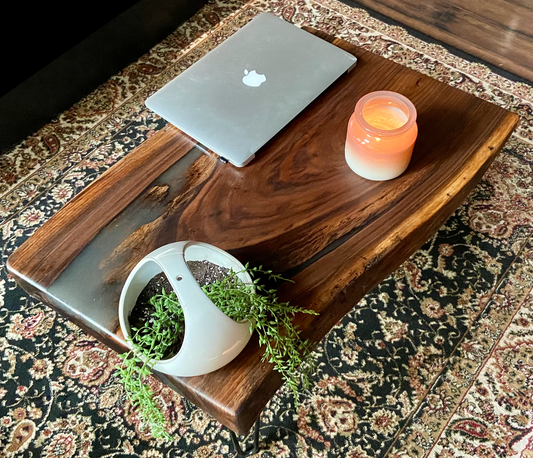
{"x": 204, "y": 272}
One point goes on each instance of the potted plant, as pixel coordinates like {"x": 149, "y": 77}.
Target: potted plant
{"x": 200, "y": 319}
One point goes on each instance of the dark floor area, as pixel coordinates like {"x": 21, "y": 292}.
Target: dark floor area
{"x": 498, "y": 33}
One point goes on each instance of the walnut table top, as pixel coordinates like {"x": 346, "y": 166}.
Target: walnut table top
{"x": 297, "y": 209}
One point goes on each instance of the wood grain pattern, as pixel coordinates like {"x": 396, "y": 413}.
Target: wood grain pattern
{"x": 96, "y": 206}
{"x": 499, "y": 32}
{"x": 297, "y": 208}
{"x": 517, "y": 18}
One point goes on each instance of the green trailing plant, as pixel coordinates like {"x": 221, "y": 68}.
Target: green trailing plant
{"x": 160, "y": 338}
{"x": 271, "y": 319}
{"x": 154, "y": 341}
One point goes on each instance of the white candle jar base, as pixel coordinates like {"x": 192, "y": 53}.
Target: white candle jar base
{"x": 390, "y": 168}
{"x": 211, "y": 338}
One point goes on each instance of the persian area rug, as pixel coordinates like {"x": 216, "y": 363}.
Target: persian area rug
{"x": 436, "y": 361}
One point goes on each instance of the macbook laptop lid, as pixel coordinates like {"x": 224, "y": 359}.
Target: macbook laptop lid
{"x": 238, "y": 96}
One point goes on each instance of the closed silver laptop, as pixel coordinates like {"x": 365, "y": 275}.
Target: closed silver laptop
{"x": 238, "y": 96}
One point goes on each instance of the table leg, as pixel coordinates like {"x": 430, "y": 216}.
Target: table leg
{"x": 250, "y": 451}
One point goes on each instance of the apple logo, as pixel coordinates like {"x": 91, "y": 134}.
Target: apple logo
{"x": 253, "y": 79}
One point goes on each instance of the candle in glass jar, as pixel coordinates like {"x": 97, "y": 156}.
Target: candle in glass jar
{"x": 381, "y": 135}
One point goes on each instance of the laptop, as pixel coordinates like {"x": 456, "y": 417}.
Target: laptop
{"x": 239, "y": 95}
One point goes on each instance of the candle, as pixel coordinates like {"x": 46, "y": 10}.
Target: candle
{"x": 381, "y": 135}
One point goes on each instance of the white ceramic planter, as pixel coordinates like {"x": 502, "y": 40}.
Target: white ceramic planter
{"x": 211, "y": 338}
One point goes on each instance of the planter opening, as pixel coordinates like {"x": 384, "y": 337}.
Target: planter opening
{"x": 143, "y": 312}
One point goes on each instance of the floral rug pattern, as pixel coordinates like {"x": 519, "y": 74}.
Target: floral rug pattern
{"x": 437, "y": 361}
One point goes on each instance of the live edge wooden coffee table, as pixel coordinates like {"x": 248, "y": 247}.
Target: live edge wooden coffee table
{"x": 297, "y": 209}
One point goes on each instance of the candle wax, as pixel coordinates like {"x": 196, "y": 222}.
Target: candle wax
{"x": 385, "y": 117}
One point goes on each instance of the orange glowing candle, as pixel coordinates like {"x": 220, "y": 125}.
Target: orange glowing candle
{"x": 381, "y": 135}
